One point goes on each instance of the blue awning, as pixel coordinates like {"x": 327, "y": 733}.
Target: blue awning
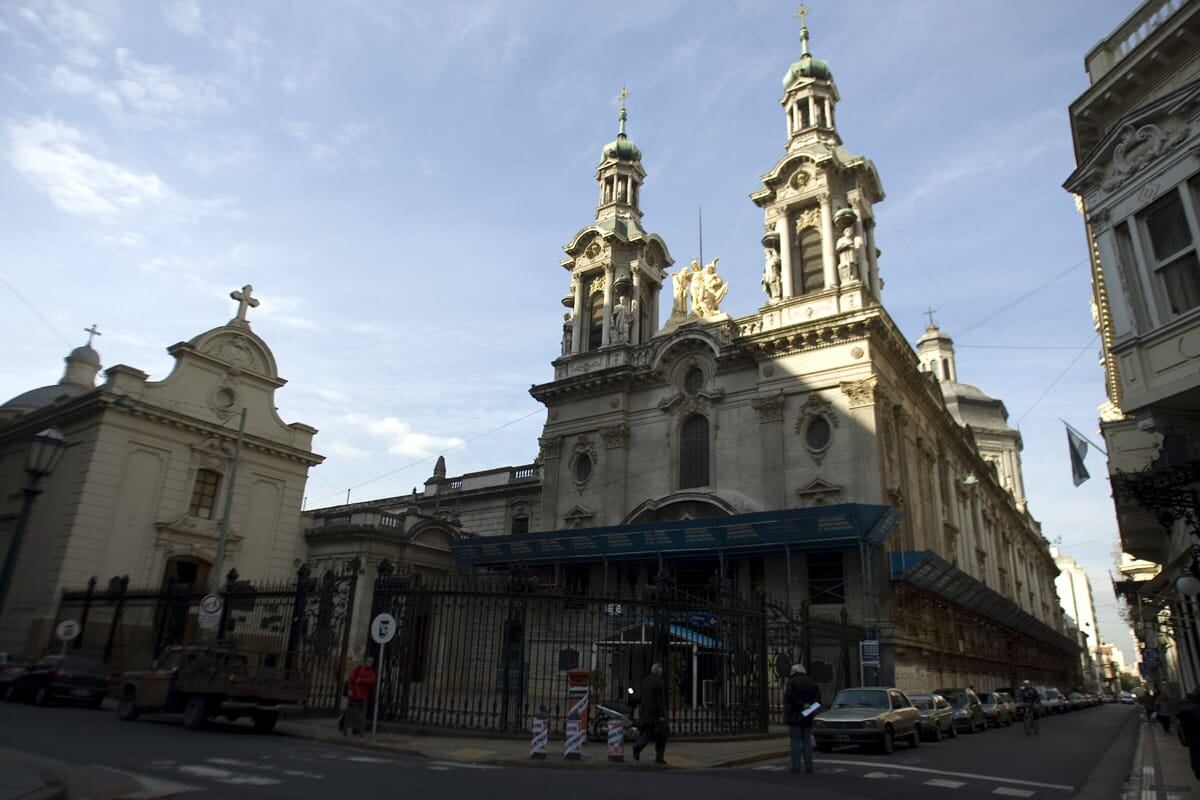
{"x": 837, "y": 527}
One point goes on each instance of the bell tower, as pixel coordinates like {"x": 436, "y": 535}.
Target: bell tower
{"x": 819, "y": 227}
{"x": 616, "y": 267}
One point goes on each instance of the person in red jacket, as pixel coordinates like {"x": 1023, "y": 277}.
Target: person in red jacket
{"x": 358, "y": 689}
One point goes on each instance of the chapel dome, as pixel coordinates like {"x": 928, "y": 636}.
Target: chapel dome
{"x": 44, "y": 396}
{"x": 807, "y": 67}
{"x": 86, "y": 353}
{"x": 622, "y": 149}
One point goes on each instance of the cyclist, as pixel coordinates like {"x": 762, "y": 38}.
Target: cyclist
{"x": 1032, "y": 700}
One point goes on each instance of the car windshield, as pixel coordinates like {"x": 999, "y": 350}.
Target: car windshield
{"x": 861, "y": 698}
{"x": 957, "y": 699}
{"x": 1051, "y": 694}
{"x": 923, "y": 703}
{"x": 987, "y": 698}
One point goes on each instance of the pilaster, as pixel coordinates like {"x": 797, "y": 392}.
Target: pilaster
{"x": 770, "y": 418}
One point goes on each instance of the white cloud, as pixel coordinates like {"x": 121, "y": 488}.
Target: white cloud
{"x": 286, "y": 310}
{"x": 331, "y": 150}
{"x": 157, "y": 91}
{"x": 305, "y": 73}
{"x": 184, "y": 17}
{"x": 127, "y": 239}
{"x": 54, "y": 158}
{"x": 344, "y": 450}
{"x": 400, "y": 438}
{"x": 63, "y": 23}
{"x": 232, "y": 152}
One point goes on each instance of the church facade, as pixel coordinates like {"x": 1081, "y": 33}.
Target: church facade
{"x": 144, "y": 479}
{"x": 804, "y": 451}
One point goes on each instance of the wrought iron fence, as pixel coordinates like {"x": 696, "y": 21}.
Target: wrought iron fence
{"x": 824, "y": 641}
{"x": 488, "y": 654}
{"x": 302, "y": 624}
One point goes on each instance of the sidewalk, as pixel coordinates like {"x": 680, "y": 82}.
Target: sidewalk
{"x": 515, "y": 752}
{"x": 18, "y": 781}
{"x": 1161, "y": 769}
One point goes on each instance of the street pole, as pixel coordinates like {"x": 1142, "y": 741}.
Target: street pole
{"x": 214, "y": 577}
{"x": 375, "y": 718}
{"x": 10, "y": 561}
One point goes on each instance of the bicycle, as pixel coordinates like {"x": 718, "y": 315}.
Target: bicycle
{"x": 1032, "y": 725}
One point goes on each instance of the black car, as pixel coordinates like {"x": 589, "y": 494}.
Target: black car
{"x": 62, "y": 679}
{"x": 10, "y": 668}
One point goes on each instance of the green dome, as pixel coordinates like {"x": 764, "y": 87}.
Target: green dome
{"x": 621, "y": 149}
{"x": 807, "y": 67}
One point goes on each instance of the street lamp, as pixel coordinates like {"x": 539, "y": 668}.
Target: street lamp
{"x": 45, "y": 450}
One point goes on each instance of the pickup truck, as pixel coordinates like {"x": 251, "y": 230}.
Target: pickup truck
{"x": 206, "y": 682}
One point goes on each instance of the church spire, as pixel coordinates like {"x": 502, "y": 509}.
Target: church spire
{"x": 801, "y": 13}
{"x": 810, "y": 94}
{"x": 620, "y": 173}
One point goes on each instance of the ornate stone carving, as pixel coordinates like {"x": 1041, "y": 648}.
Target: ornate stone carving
{"x": 549, "y": 447}
{"x": 861, "y": 393}
{"x": 597, "y": 284}
{"x": 809, "y": 218}
{"x": 615, "y": 436}
{"x": 621, "y": 328}
{"x": 817, "y": 411}
{"x": 704, "y": 287}
{"x": 847, "y": 252}
{"x": 224, "y": 399}
{"x": 772, "y": 279}
{"x": 593, "y": 249}
{"x": 582, "y": 449}
{"x": 235, "y": 350}
{"x": 212, "y": 453}
{"x": 818, "y": 493}
{"x": 1138, "y": 148}
{"x": 769, "y": 407}
{"x": 800, "y": 179}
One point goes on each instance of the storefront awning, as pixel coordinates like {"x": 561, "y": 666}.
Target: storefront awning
{"x": 931, "y": 573}
{"x": 838, "y": 527}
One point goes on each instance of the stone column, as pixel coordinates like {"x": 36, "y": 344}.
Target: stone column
{"x": 828, "y": 257}
{"x": 783, "y": 227}
{"x": 656, "y": 291}
{"x": 550, "y": 450}
{"x": 616, "y": 470}
{"x": 873, "y": 263}
{"x": 577, "y": 320}
{"x": 636, "y": 336}
{"x": 860, "y": 263}
{"x": 770, "y": 419}
{"x": 608, "y": 296}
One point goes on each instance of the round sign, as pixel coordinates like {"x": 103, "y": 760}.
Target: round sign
{"x": 67, "y": 630}
{"x": 211, "y": 604}
{"x": 383, "y": 628}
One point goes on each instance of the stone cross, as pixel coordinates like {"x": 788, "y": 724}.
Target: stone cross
{"x": 244, "y": 299}
{"x": 801, "y": 13}
{"x": 92, "y": 332}
{"x": 929, "y": 313}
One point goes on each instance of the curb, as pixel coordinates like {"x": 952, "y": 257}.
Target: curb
{"x": 49, "y": 792}
{"x": 1119, "y": 769}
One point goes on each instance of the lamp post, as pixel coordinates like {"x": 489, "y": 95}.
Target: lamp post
{"x": 44, "y": 453}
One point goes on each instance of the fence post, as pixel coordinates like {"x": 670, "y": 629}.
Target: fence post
{"x": 763, "y": 701}
{"x": 296, "y": 626}
{"x": 83, "y": 616}
{"x": 120, "y": 584}
{"x": 353, "y": 567}
{"x": 230, "y": 581}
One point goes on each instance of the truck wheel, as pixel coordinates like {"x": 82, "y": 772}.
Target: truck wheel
{"x": 195, "y": 713}
{"x": 127, "y": 706}
{"x": 264, "y": 721}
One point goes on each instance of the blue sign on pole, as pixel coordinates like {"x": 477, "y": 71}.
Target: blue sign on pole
{"x": 868, "y": 652}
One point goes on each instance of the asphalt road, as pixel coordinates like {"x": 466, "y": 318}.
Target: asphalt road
{"x": 99, "y": 756}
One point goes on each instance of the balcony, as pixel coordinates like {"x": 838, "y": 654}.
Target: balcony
{"x": 1105, "y": 56}
{"x": 364, "y": 520}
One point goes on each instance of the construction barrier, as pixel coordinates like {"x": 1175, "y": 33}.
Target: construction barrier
{"x": 541, "y": 736}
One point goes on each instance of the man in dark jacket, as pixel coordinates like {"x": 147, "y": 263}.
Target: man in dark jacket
{"x": 652, "y": 715}
{"x": 1188, "y": 718}
{"x": 802, "y": 700}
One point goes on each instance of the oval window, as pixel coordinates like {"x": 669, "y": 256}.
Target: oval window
{"x": 818, "y": 433}
{"x": 583, "y": 468}
{"x": 693, "y": 380}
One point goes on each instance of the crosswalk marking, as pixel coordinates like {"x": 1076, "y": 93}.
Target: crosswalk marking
{"x": 880, "y": 775}
{"x": 1007, "y": 792}
{"x": 945, "y": 784}
{"x": 772, "y": 767}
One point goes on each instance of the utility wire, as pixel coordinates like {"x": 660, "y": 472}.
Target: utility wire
{"x": 1020, "y": 298}
{"x": 36, "y": 313}
{"x": 1061, "y": 375}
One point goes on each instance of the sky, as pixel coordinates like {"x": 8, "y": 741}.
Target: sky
{"x": 397, "y": 181}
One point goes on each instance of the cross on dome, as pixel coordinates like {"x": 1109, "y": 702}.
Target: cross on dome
{"x": 92, "y": 332}
{"x": 244, "y": 300}
{"x": 800, "y": 14}
{"x": 929, "y": 313}
{"x": 621, "y": 96}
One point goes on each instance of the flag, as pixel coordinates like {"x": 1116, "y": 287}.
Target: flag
{"x": 1078, "y": 447}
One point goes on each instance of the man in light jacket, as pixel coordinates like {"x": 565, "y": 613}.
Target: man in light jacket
{"x": 800, "y": 697}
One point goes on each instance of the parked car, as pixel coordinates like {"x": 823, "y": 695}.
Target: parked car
{"x": 1108, "y": 697}
{"x": 968, "y": 711}
{"x": 937, "y": 717}
{"x": 66, "y": 679}
{"x": 1074, "y": 701}
{"x": 10, "y": 668}
{"x": 996, "y": 710}
{"x": 206, "y": 682}
{"x": 1126, "y": 698}
{"x": 1052, "y": 700}
{"x": 877, "y": 715}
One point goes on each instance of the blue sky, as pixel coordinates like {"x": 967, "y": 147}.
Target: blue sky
{"x": 397, "y": 181}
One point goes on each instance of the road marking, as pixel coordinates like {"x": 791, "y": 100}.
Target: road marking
{"x": 225, "y": 776}
{"x": 1007, "y": 792}
{"x": 152, "y": 787}
{"x": 295, "y": 773}
{"x": 880, "y": 775}
{"x": 463, "y": 765}
{"x": 438, "y": 768}
{"x": 945, "y": 784}
{"x": 772, "y": 768}
{"x": 1060, "y": 787}
{"x": 365, "y": 759}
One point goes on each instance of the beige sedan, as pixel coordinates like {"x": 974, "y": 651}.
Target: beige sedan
{"x": 872, "y": 715}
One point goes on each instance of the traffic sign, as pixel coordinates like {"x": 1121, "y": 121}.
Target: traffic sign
{"x": 67, "y": 630}
{"x": 1150, "y": 656}
{"x": 868, "y": 652}
{"x": 383, "y": 628}
{"x": 210, "y": 611}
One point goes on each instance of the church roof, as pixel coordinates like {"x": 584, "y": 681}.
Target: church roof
{"x": 86, "y": 353}
{"x": 44, "y": 396}
{"x": 621, "y": 148}
{"x": 974, "y": 407}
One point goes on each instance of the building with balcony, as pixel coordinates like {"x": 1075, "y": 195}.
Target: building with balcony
{"x": 1136, "y": 132}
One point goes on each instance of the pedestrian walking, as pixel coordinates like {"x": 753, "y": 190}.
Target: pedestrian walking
{"x": 652, "y": 716}
{"x": 1164, "y": 710}
{"x": 802, "y": 700}
{"x": 1188, "y": 719}
{"x": 358, "y": 691}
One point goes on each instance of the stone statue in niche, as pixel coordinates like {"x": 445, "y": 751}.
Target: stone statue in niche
{"x": 772, "y": 279}
{"x": 568, "y": 334}
{"x": 847, "y": 250}
{"x": 621, "y": 323}
{"x": 680, "y": 282}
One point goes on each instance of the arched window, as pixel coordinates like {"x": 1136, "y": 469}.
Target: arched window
{"x": 811, "y": 264}
{"x": 596, "y": 321}
{"x": 693, "y": 452}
